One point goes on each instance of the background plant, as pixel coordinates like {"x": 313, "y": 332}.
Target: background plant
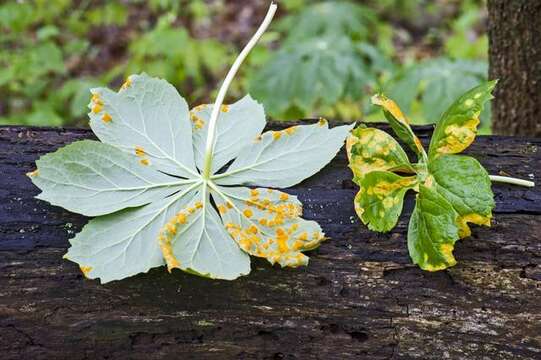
{"x": 52, "y": 52}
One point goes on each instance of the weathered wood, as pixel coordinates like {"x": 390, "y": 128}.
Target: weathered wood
{"x": 360, "y": 297}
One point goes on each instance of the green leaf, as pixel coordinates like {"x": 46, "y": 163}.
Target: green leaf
{"x": 147, "y": 117}
{"x": 93, "y": 178}
{"x": 432, "y": 231}
{"x": 458, "y": 126}
{"x": 148, "y": 218}
{"x": 464, "y": 182}
{"x": 238, "y": 126}
{"x": 315, "y": 73}
{"x": 371, "y": 149}
{"x": 285, "y": 158}
{"x": 379, "y": 201}
{"x": 399, "y": 123}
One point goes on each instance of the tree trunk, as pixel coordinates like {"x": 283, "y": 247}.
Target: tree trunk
{"x": 515, "y": 58}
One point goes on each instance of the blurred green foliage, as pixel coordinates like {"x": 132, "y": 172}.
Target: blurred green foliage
{"x": 319, "y": 58}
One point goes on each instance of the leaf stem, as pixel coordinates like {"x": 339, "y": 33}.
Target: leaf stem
{"x": 510, "y": 180}
{"x": 225, "y": 86}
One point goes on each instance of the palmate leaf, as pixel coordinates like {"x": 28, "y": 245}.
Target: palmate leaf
{"x": 453, "y": 190}
{"x": 145, "y": 182}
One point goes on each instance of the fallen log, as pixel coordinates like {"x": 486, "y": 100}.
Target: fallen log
{"x": 360, "y": 297}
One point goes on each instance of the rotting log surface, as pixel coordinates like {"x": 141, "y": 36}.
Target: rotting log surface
{"x": 360, "y": 297}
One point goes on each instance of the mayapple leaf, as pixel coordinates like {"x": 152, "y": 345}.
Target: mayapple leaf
{"x": 274, "y": 158}
{"x": 432, "y": 231}
{"x": 93, "y": 178}
{"x": 453, "y": 190}
{"x": 458, "y": 126}
{"x": 151, "y": 120}
{"x": 371, "y": 149}
{"x": 146, "y": 183}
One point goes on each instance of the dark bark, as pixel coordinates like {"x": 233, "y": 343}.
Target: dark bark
{"x": 360, "y": 297}
{"x": 515, "y": 59}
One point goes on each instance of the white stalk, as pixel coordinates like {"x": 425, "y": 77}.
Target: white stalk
{"x": 510, "y": 180}
{"x": 209, "y": 150}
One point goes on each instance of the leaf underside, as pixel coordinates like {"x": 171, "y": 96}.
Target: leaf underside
{"x": 142, "y": 182}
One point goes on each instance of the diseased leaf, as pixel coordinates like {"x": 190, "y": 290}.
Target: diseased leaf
{"x": 454, "y": 190}
{"x": 93, "y": 178}
{"x": 371, "y": 149}
{"x": 285, "y": 158}
{"x": 150, "y": 218}
{"x": 380, "y": 199}
{"x": 432, "y": 231}
{"x": 148, "y": 118}
{"x": 458, "y": 126}
{"x": 466, "y": 185}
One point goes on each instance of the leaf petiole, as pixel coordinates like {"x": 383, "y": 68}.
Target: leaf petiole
{"x": 225, "y": 86}
{"x": 510, "y": 180}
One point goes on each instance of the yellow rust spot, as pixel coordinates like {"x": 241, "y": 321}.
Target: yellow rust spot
{"x": 197, "y": 121}
{"x": 139, "y": 151}
{"x": 322, "y": 122}
{"x": 85, "y": 270}
{"x": 199, "y": 108}
{"x": 248, "y": 213}
{"x": 224, "y": 108}
{"x": 291, "y": 130}
{"x": 263, "y": 221}
{"x": 144, "y": 162}
{"x": 97, "y": 108}
{"x": 106, "y": 118}
{"x": 254, "y": 193}
{"x": 33, "y": 173}
{"x": 198, "y": 205}
{"x": 281, "y": 238}
{"x": 284, "y": 197}
{"x": 181, "y": 218}
{"x": 229, "y": 205}
{"x": 391, "y": 107}
{"x": 458, "y": 137}
{"x": 126, "y": 84}
{"x": 276, "y": 135}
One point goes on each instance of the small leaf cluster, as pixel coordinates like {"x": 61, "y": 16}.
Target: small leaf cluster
{"x": 452, "y": 190}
